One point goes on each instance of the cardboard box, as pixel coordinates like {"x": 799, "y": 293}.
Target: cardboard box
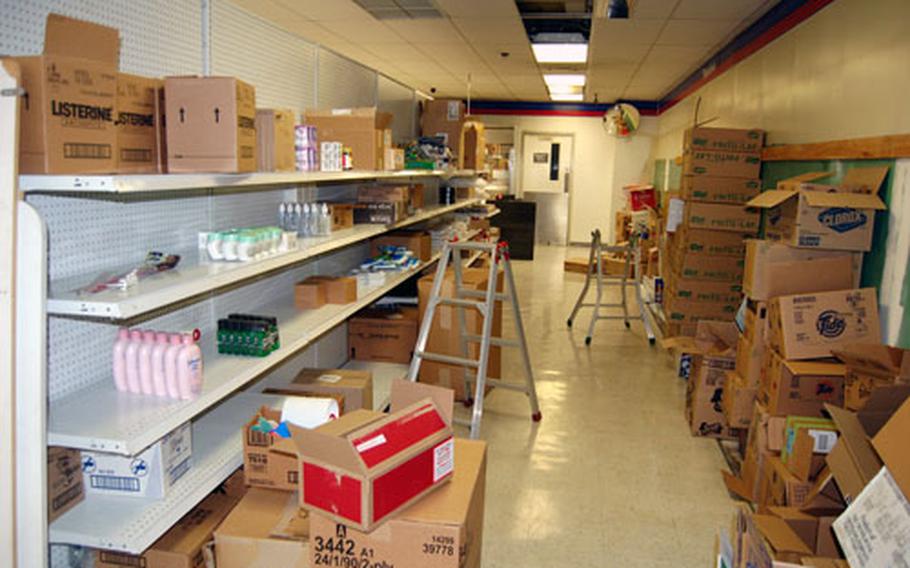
{"x": 150, "y": 474}
{"x": 443, "y": 530}
{"x": 365, "y": 467}
{"x": 856, "y": 180}
{"x": 267, "y": 461}
{"x": 380, "y": 213}
{"x": 697, "y": 162}
{"x": 713, "y": 356}
{"x": 749, "y": 361}
{"x": 65, "y": 489}
{"x": 815, "y": 219}
{"x": 677, "y": 310}
{"x": 719, "y": 217}
{"x": 342, "y": 215}
{"x": 356, "y": 129}
{"x": 783, "y": 488}
{"x": 803, "y": 524}
{"x": 383, "y": 335}
{"x": 275, "y": 140}
{"x": 472, "y": 146}
{"x": 702, "y": 290}
{"x": 724, "y": 139}
{"x": 738, "y": 400}
{"x": 810, "y": 326}
{"x": 807, "y": 440}
{"x": 310, "y": 294}
{"x": 698, "y": 266}
{"x": 853, "y": 461}
{"x": 729, "y": 191}
{"x": 211, "y": 125}
{"x": 875, "y": 363}
{"x": 715, "y": 243}
{"x": 824, "y": 562}
{"x": 443, "y": 117}
{"x": 338, "y": 289}
{"x": 393, "y": 159}
{"x": 786, "y": 545}
{"x": 444, "y": 333}
{"x": 773, "y": 269}
{"x": 137, "y": 124}
{"x": 891, "y": 444}
{"x": 755, "y": 321}
{"x": 383, "y": 193}
{"x": 184, "y": 545}
{"x": 66, "y": 124}
{"x": 418, "y": 242}
{"x": 265, "y": 529}
{"x": 802, "y": 387}
{"x": 356, "y": 386}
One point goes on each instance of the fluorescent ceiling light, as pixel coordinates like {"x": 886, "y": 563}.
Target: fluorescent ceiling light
{"x": 567, "y": 97}
{"x": 565, "y": 89}
{"x": 564, "y": 79}
{"x": 560, "y": 52}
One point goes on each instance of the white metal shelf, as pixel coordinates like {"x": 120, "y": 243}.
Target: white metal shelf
{"x": 193, "y": 278}
{"x": 146, "y": 183}
{"x": 104, "y": 419}
{"x": 132, "y": 524}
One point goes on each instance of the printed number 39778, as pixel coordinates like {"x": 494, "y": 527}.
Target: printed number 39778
{"x": 439, "y": 549}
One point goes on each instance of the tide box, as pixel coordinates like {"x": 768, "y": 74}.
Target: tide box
{"x": 719, "y": 217}
{"x": 67, "y": 118}
{"x": 722, "y": 163}
{"x": 443, "y": 530}
{"x": 726, "y": 190}
{"x": 268, "y": 461}
{"x": 211, "y": 125}
{"x": 809, "y": 326}
{"x": 366, "y": 466}
{"x": 773, "y": 269}
{"x": 816, "y": 219}
{"x": 150, "y": 474}
{"x": 725, "y": 139}
{"x": 802, "y": 387}
{"x": 137, "y": 124}
{"x": 64, "y": 481}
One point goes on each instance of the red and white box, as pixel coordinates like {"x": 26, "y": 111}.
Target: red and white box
{"x": 366, "y": 466}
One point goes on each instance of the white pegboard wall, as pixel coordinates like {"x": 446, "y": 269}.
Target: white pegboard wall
{"x": 399, "y": 100}
{"x": 282, "y": 66}
{"x": 343, "y": 83}
{"x": 157, "y": 37}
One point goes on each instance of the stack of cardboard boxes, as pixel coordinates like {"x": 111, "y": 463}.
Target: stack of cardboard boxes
{"x": 703, "y": 255}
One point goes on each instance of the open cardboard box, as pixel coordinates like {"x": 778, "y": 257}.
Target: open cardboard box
{"x": 802, "y": 387}
{"x": 892, "y": 445}
{"x": 366, "y": 466}
{"x": 773, "y": 269}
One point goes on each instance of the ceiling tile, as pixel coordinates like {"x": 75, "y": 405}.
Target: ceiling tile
{"x": 696, "y": 32}
{"x": 618, "y": 34}
{"x": 426, "y": 31}
{"x": 320, "y": 10}
{"x": 473, "y": 8}
{"x": 364, "y": 31}
{"x": 717, "y": 9}
{"x": 492, "y": 30}
{"x": 647, "y": 9}
{"x": 678, "y": 56}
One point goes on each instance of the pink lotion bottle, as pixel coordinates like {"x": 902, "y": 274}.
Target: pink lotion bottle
{"x": 159, "y": 382}
{"x": 132, "y": 362}
{"x": 123, "y": 341}
{"x": 145, "y": 362}
{"x": 170, "y": 365}
{"x": 189, "y": 368}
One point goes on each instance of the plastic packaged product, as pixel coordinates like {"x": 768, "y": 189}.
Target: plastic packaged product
{"x": 132, "y": 362}
{"x": 214, "y": 246}
{"x": 159, "y": 381}
{"x": 155, "y": 262}
{"x": 246, "y": 246}
{"x": 304, "y": 228}
{"x": 231, "y": 240}
{"x": 119, "y": 363}
{"x": 282, "y": 213}
{"x": 170, "y": 365}
{"x": 325, "y": 220}
{"x": 189, "y": 368}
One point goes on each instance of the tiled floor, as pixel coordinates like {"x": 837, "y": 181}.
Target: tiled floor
{"x": 611, "y": 476}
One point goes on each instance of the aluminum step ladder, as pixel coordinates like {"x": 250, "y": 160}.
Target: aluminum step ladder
{"x": 484, "y": 302}
{"x": 595, "y": 271}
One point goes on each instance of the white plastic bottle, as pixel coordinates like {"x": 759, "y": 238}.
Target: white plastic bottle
{"x": 325, "y": 220}
{"x": 132, "y": 362}
{"x": 189, "y": 368}
{"x": 170, "y": 365}
{"x": 159, "y": 382}
{"x": 119, "y": 366}
{"x": 298, "y": 218}
{"x": 305, "y": 223}
{"x": 282, "y": 217}
{"x": 145, "y": 362}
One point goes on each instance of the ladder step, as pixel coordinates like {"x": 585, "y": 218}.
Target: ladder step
{"x": 462, "y": 303}
{"x": 498, "y": 341}
{"x": 472, "y": 245}
{"x": 440, "y": 358}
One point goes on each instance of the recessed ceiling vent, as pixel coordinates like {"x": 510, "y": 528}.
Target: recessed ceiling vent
{"x": 400, "y": 9}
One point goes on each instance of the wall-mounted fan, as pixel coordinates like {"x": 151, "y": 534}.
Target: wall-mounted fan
{"x": 622, "y": 120}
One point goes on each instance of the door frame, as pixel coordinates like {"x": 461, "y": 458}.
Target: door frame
{"x": 521, "y": 158}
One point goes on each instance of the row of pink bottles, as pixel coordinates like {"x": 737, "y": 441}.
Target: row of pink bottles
{"x": 156, "y": 363}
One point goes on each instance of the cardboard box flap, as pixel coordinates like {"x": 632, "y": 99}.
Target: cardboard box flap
{"x": 881, "y": 406}
{"x": 258, "y": 514}
{"x": 851, "y": 200}
{"x": 771, "y": 198}
{"x": 405, "y": 393}
{"x": 77, "y": 38}
{"x": 682, "y": 343}
{"x": 284, "y": 446}
{"x": 795, "y": 181}
{"x": 819, "y": 562}
{"x": 377, "y": 443}
{"x": 824, "y": 498}
{"x": 779, "y": 534}
{"x": 329, "y": 449}
{"x": 871, "y": 356}
{"x": 864, "y": 180}
{"x": 192, "y": 531}
{"x": 716, "y": 337}
{"x": 815, "y": 368}
{"x": 854, "y": 441}
{"x": 892, "y": 445}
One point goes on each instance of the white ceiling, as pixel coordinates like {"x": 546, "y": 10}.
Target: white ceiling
{"x": 639, "y": 58}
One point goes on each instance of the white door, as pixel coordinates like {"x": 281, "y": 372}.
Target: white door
{"x": 546, "y": 166}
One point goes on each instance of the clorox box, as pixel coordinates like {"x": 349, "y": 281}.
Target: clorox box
{"x": 811, "y": 215}
{"x": 810, "y": 326}
{"x": 150, "y": 474}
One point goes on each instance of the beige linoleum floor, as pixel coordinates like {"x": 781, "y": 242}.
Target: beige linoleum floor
{"x": 611, "y": 476}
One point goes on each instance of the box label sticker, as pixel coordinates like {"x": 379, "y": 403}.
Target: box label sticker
{"x": 453, "y": 111}
{"x": 371, "y": 443}
{"x": 331, "y": 379}
{"x": 443, "y": 459}
{"x": 823, "y": 441}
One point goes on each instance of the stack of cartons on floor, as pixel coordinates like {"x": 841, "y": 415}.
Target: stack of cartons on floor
{"x": 702, "y": 262}
{"x": 807, "y": 457}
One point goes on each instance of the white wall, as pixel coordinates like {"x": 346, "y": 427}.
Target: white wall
{"x": 843, "y": 73}
{"x": 602, "y": 165}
